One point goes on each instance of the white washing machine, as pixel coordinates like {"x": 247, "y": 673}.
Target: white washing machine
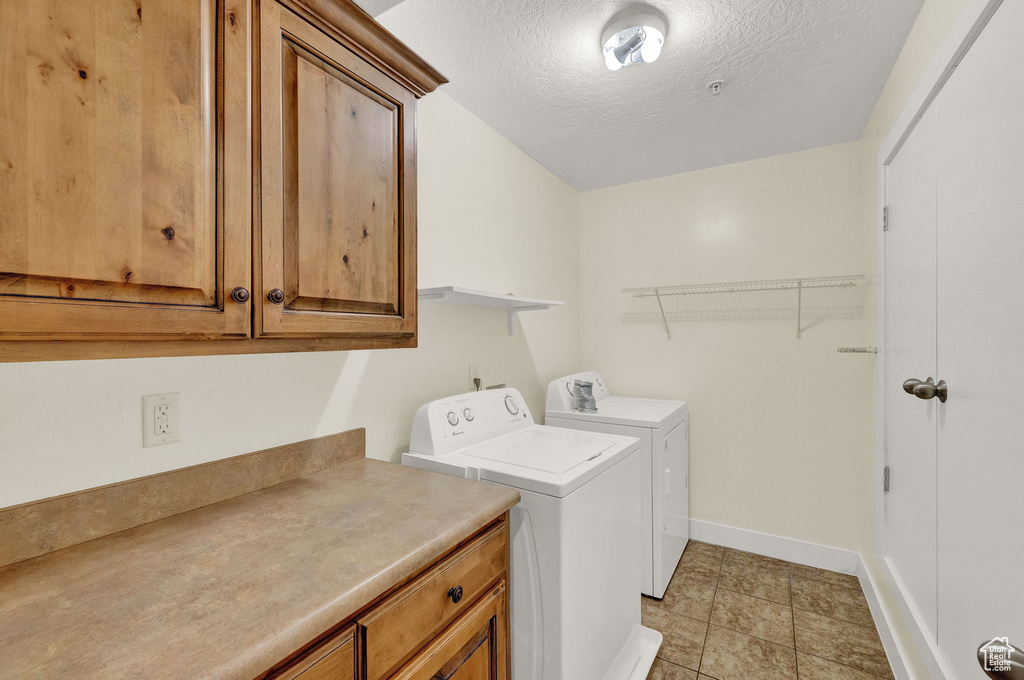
{"x": 575, "y": 539}
{"x": 663, "y": 429}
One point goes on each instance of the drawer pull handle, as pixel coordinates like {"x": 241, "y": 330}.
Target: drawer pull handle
{"x": 276, "y": 296}
{"x": 455, "y": 593}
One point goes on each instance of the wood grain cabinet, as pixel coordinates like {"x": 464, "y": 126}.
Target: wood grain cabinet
{"x": 451, "y": 621}
{"x": 124, "y": 168}
{"x": 205, "y": 170}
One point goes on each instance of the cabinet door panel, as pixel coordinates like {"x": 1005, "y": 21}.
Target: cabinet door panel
{"x": 344, "y": 137}
{"x": 338, "y": 220}
{"x": 114, "y": 220}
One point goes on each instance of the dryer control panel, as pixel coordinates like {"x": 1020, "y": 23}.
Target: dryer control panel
{"x": 452, "y": 423}
{"x": 560, "y": 390}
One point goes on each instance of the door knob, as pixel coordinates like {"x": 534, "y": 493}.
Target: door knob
{"x": 910, "y": 383}
{"x": 929, "y": 390}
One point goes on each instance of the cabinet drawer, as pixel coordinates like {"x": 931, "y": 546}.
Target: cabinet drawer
{"x": 475, "y": 647}
{"x": 403, "y": 623}
{"x": 333, "y": 659}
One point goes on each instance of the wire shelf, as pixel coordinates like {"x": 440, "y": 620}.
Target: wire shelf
{"x": 758, "y": 287}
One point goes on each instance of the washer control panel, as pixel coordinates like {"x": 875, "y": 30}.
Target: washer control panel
{"x": 448, "y": 424}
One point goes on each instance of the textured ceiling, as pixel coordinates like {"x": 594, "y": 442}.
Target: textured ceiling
{"x": 377, "y": 7}
{"x": 799, "y": 74}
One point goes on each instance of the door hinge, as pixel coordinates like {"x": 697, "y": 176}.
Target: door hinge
{"x": 885, "y": 218}
{"x": 885, "y": 479}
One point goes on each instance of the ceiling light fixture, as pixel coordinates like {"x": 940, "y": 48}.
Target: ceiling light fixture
{"x": 634, "y": 36}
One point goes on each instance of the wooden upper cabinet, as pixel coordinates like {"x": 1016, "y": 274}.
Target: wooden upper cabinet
{"x": 338, "y": 163}
{"x": 125, "y": 168}
{"x": 192, "y": 171}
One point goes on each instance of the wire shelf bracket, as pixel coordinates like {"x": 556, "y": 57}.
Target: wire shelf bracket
{"x": 799, "y": 285}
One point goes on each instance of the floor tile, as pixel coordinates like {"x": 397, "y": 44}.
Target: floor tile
{"x": 705, "y": 548}
{"x": 739, "y": 557}
{"x": 760, "y": 618}
{"x": 666, "y": 670}
{"x": 684, "y": 637}
{"x": 848, "y": 580}
{"x": 689, "y": 595}
{"x": 841, "y": 641}
{"x": 829, "y": 599}
{"x": 700, "y": 559}
{"x": 729, "y": 655}
{"x": 815, "y": 668}
{"x": 767, "y": 582}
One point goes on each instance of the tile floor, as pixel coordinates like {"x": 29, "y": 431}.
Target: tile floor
{"x": 731, "y": 615}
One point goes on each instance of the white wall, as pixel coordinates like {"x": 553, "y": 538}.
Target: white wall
{"x": 490, "y": 218}
{"x": 777, "y": 424}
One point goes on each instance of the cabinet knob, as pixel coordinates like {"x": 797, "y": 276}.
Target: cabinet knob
{"x": 455, "y": 593}
{"x": 276, "y": 296}
{"x": 240, "y": 295}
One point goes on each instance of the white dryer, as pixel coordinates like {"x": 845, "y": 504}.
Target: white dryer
{"x": 663, "y": 429}
{"x": 574, "y": 566}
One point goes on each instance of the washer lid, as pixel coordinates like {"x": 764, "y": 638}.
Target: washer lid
{"x": 550, "y": 460}
{"x": 549, "y": 450}
{"x": 633, "y": 411}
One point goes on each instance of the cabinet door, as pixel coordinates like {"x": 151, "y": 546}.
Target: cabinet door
{"x": 475, "y": 647}
{"x": 333, "y": 659}
{"x": 338, "y": 196}
{"x": 124, "y": 168}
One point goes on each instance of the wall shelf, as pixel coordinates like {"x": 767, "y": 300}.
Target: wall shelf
{"x": 798, "y": 285}
{"x": 456, "y": 295}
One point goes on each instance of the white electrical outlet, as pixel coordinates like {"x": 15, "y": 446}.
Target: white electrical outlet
{"x": 161, "y": 423}
{"x": 474, "y": 377}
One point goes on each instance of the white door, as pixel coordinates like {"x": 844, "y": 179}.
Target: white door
{"x": 910, "y": 510}
{"x": 980, "y": 115}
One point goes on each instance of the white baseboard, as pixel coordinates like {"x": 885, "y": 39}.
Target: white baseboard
{"x": 780, "y": 547}
{"x": 937, "y": 669}
{"x": 812, "y": 555}
{"x": 893, "y": 650}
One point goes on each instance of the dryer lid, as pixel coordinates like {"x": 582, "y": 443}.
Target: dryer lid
{"x": 630, "y": 411}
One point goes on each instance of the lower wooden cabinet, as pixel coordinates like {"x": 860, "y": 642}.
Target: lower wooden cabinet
{"x": 475, "y": 647}
{"x": 334, "y": 659}
{"x": 450, "y": 621}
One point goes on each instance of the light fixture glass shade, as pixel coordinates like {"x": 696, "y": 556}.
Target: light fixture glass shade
{"x": 632, "y": 38}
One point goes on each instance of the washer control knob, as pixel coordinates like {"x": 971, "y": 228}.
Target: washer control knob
{"x": 511, "y": 405}
{"x": 467, "y": 413}
{"x": 452, "y": 418}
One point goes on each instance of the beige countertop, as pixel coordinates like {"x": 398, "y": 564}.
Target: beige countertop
{"x": 229, "y": 590}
